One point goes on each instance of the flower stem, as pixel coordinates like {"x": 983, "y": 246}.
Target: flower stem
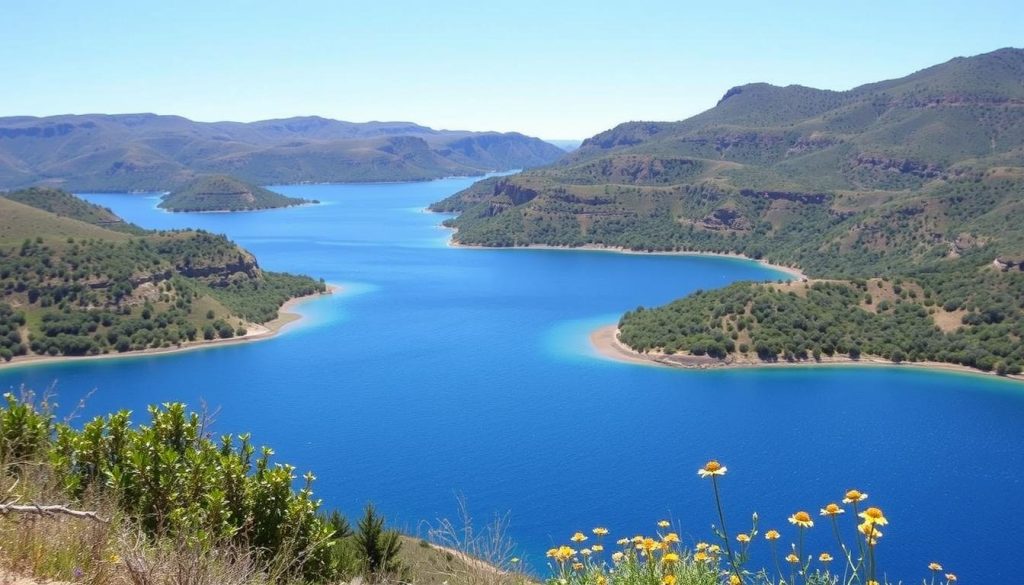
{"x": 725, "y": 532}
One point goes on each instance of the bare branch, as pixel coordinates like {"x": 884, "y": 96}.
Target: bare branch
{"x": 50, "y": 511}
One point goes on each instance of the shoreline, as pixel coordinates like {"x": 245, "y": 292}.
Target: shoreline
{"x": 605, "y": 342}
{"x": 794, "y": 272}
{"x": 254, "y": 332}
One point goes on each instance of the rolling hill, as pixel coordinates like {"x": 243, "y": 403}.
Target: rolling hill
{"x": 223, "y": 193}
{"x": 155, "y": 153}
{"x": 70, "y": 285}
{"x": 919, "y": 178}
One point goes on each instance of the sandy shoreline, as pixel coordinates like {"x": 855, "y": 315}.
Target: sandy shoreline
{"x": 605, "y": 342}
{"x": 793, "y": 272}
{"x": 254, "y": 332}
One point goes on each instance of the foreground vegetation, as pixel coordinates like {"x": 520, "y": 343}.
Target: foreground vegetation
{"x": 917, "y": 181}
{"x": 70, "y": 286}
{"x": 663, "y": 559}
{"x": 164, "y": 503}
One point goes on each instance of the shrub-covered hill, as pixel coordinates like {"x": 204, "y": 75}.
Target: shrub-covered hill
{"x": 64, "y": 204}
{"x": 224, "y": 193}
{"x": 73, "y": 288}
{"x": 919, "y": 178}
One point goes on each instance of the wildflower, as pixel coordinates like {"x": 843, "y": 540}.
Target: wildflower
{"x": 552, "y": 552}
{"x": 638, "y": 539}
{"x": 668, "y": 580}
{"x": 514, "y": 560}
{"x": 600, "y": 531}
{"x": 577, "y": 566}
{"x": 934, "y": 567}
{"x": 734, "y": 579}
{"x": 743, "y": 537}
{"x": 714, "y": 549}
{"x": 578, "y": 537}
{"x": 771, "y": 535}
{"x": 825, "y": 558}
{"x": 622, "y": 541}
{"x": 792, "y": 558}
{"x": 870, "y": 532}
{"x": 701, "y": 556}
{"x": 617, "y": 557}
{"x": 597, "y": 548}
{"x": 670, "y": 537}
{"x": 871, "y": 582}
{"x": 711, "y": 468}
{"x": 702, "y": 546}
{"x": 663, "y": 524}
{"x": 854, "y": 496}
{"x": 832, "y": 510}
{"x": 586, "y": 552}
{"x": 874, "y": 516}
{"x": 671, "y": 557}
{"x": 114, "y": 558}
{"x": 562, "y": 553}
{"x": 801, "y": 519}
{"x": 648, "y": 545}
{"x": 951, "y": 577}
{"x": 601, "y": 580}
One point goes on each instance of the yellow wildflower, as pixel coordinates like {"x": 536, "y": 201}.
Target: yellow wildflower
{"x": 671, "y": 537}
{"x": 934, "y": 567}
{"x": 871, "y": 533}
{"x": 578, "y": 537}
{"x": 711, "y": 468}
{"x": 622, "y": 541}
{"x": 951, "y": 577}
{"x": 801, "y": 519}
{"x": 734, "y": 580}
{"x": 792, "y": 558}
{"x": 825, "y": 558}
{"x": 114, "y": 558}
{"x": 617, "y": 557}
{"x": 872, "y": 582}
{"x": 832, "y": 510}
{"x": 668, "y": 580}
{"x": 577, "y": 566}
{"x": 638, "y": 539}
{"x": 702, "y": 546}
{"x": 772, "y": 535}
{"x": 552, "y": 552}
{"x": 854, "y": 496}
{"x": 701, "y": 556}
{"x": 743, "y": 537}
{"x": 714, "y": 549}
{"x": 664, "y": 523}
{"x": 874, "y": 516}
{"x": 597, "y": 548}
{"x": 671, "y": 557}
{"x": 599, "y": 531}
{"x": 602, "y": 580}
{"x": 586, "y": 552}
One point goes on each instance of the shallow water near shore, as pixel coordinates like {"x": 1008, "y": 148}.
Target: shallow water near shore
{"x": 442, "y": 371}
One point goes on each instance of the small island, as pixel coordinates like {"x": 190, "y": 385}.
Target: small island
{"x": 225, "y": 193}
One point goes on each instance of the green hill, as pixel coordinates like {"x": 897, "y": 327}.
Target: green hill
{"x": 223, "y": 193}
{"x": 64, "y": 204}
{"x": 157, "y": 153}
{"x": 918, "y": 178}
{"x": 68, "y": 287}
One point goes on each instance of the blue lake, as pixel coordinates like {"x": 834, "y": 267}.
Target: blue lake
{"x": 442, "y": 372}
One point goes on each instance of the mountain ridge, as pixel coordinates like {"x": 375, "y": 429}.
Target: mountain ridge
{"x": 111, "y": 152}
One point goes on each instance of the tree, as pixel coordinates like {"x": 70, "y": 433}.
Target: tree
{"x": 377, "y": 546}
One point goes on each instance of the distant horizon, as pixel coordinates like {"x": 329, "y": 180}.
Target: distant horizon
{"x": 548, "y": 70}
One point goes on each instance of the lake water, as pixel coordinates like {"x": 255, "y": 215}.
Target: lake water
{"x": 443, "y": 372}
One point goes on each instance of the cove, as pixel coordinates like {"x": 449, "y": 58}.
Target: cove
{"x": 443, "y": 371}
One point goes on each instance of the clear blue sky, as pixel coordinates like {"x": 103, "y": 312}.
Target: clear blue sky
{"x": 551, "y": 68}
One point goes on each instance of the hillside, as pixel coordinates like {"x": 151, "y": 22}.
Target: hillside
{"x": 918, "y": 178}
{"x": 68, "y": 287}
{"x": 155, "y": 153}
{"x": 223, "y": 193}
{"x": 64, "y": 204}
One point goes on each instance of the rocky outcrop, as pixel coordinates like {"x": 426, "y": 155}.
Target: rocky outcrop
{"x": 807, "y": 198}
{"x": 898, "y": 165}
